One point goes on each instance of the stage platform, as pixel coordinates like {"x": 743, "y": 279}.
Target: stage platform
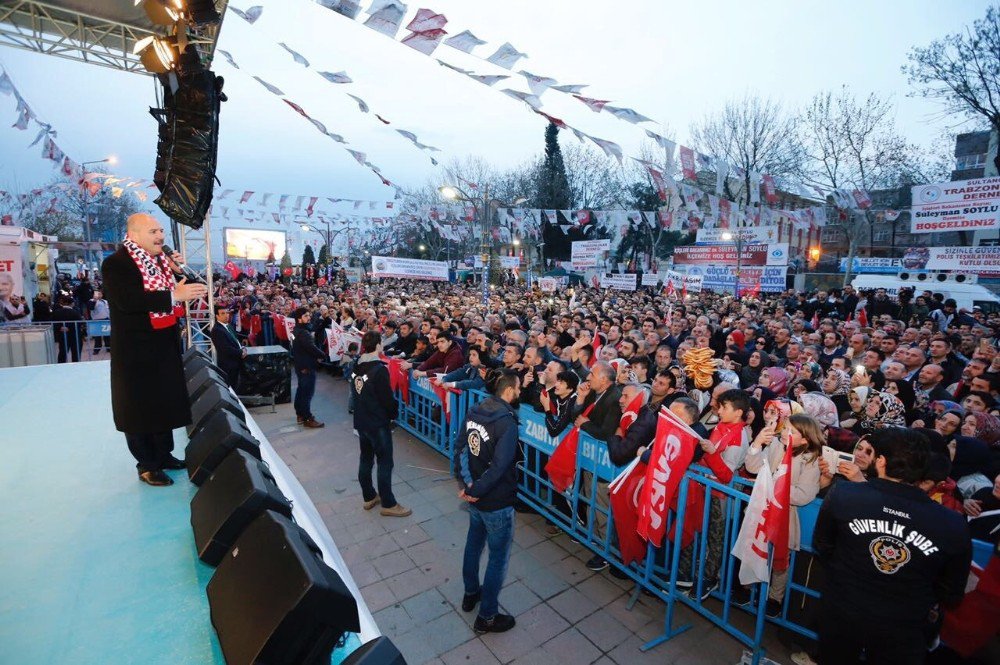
{"x": 95, "y": 566}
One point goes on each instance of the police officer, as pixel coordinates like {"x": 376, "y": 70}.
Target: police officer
{"x": 891, "y": 554}
{"x": 375, "y": 408}
{"x": 486, "y": 454}
{"x": 305, "y": 357}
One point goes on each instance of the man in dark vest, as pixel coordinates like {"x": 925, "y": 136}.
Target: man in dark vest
{"x": 229, "y": 353}
{"x": 149, "y": 396}
{"x": 374, "y": 410}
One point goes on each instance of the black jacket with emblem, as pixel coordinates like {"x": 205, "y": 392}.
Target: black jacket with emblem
{"x": 890, "y": 552}
{"x": 486, "y": 454}
{"x": 374, "y": 404}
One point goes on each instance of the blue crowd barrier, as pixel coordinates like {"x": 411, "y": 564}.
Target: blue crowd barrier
{"x": 582, "y": 516}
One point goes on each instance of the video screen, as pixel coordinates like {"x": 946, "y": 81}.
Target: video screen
{"x": 255, "y": 244}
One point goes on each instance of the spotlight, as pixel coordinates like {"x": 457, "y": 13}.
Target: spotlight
{"x": 157, "y": 54}
{"x": 162, "y": 12}
{"x": 202, "y": 11}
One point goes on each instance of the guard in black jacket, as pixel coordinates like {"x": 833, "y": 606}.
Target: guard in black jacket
{"x": 486, "y": 453}
{"x": 305, "y": 356}
{"x": 229, "y": 353}
{"x": 375, "y": 408}
{"x": 891, "y": 555}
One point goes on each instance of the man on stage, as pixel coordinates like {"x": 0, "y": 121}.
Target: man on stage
{"x": 228, "y": 351}
{"x": 148, "y": 393}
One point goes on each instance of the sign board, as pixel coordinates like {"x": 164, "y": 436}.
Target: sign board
{"x": 861, "y": 265}
{"x": 11, "y": 272}
{"x": 337, "y": 341}
{"x": 650, "y": 279}
{"x": 547, "y": 284}
{"x": 758, "y": 235}
{"x": 767, "y": 279}
{"x": 774, "y": 254}
{"x": 619, "y": 281}
{"x": 979, "y": 260}
{"x": 508, "y": 262}
{"x": 589, "y": 253}
{"x": 391, "y": 266}
{"x": 963, "y": 205}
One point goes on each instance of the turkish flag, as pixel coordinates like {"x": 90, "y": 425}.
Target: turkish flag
{"x": 561, "y": 466}
{"x": 625, "y": 495}
{"x": 442, "y": 394}
{"x": 673, "y": 449}
{"x": 778, "y": 512}
{"x": 596, "y": 343}
{"x": 631, "y": 413}
{"x": 863, "y": 318}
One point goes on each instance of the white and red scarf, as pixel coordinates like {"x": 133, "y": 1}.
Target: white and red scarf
{"x": 156, "y": 276}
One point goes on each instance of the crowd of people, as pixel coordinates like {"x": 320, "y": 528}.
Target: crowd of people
{"x": 912, "y": 382}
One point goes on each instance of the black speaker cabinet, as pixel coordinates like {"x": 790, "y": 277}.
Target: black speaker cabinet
{"x": 380, "y": 651}
{"x": 236, "y": 493}
{"x": 214, "y": 397}
{"x": 195, "y": 365}
{"x": 212, "y": 443}
{"x": 274, "y": 601}
{"x": 197, "y": 384}
{"x": 194, "y": 352}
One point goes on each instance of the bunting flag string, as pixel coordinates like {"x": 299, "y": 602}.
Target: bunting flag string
{"x": 250, "y": 15}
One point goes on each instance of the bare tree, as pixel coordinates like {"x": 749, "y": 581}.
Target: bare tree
{"x": 596, "y": 181}
{"x": 852, "y": 145}
{"x": 962, "y": 71}
{"x": 752, "y": 134}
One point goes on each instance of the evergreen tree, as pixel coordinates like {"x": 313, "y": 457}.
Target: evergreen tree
{"x": 324, "y": 255}
{"x": 553, "y": 185}
{"x": 307, "y": 256}
{"x": 286, "y": 262}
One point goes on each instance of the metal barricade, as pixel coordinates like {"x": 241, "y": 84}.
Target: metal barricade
{"x": 423, "y": 416}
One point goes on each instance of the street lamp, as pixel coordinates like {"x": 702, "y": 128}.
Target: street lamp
{"x": 112, "y": 160}
{"x": 727, "y": 236}
{"x": 326, "y": 234}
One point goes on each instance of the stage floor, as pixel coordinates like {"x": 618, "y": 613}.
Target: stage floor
{"x": 95, "y": 567}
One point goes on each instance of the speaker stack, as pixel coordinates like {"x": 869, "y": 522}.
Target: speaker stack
{"x": 272, "y": 597}
{"x": 932, "y": 278}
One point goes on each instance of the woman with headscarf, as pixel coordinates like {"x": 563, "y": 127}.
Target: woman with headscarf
{"x": 903, "y": 390}
{"x": 756, "y": 362}
{"x": 736, "y": 346}
{"x": 882, "y": 410}
{"x": 857, "y": 398}
{"x": 800, "y": 388}
{"x": 982, "y": 426}
{"x": 822, "y": 408}
{"x": 810, "y": 371}
{"x": 836, "y": 385}
{"x": 772, "y": 384}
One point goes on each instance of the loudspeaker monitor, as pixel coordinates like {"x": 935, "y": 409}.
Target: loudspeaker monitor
{"x": 273, "y": 600}
{"x": 235, "y": 494}
{"x": 197, "y": 384}
{"x": 196, "y": 363}
{"x": 221, "y": 433}
{"x": 214, "y": 397}
{"x": 380, "y": 651}
{"x": 194, "y": 352}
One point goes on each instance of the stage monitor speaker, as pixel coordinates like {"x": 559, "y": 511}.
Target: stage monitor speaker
{"x": 380, "y": 651}
{"x": 195, "y": 352}
{"x": 237, "y": 492}
{"x": 274, "y": 601}
{"x": 220, "y": 435}
{"x": 205, "y": 377}
{"x": 196, "y": 364}
{"x": 214, "y": 397}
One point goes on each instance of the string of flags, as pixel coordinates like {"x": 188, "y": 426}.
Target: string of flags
{"x": 337, "y": 78}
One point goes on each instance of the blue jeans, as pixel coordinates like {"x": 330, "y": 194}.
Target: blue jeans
{"x": 304, "y": 392}
{"x": 376, "y": 444}
{"x": 496, "y": 529}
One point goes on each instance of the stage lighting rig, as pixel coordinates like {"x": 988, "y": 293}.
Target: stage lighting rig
{"x": 157, "y": 54}
{"x": 163, "y": 12}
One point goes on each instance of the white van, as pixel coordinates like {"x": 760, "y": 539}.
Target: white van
{"x": 962, "y": 288}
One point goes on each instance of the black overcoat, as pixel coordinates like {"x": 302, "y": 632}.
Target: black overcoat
{"x": 148, "y": 391}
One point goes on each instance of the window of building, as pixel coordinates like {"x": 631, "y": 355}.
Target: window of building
{"x": 970, "y": 162}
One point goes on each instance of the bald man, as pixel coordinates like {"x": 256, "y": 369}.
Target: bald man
{"x": 148, "y": 392}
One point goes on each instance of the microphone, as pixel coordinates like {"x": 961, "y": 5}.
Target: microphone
{"x": 191, "y": 275}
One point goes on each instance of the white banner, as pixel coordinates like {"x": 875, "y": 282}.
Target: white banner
{"x": 507, "y": 262}
{"x": 547, "y": 284}
{"x": 619, "y": 281}
{"x": 588, "y": 253}
{"x": 11, "y": 272}
{"x": 337, "y": 341}
{"x": 650, "y": 279}
{"x": 391, "y": 266}
{"x": 692, "y": 283}
{"x": 966, "y": 259}
{"x": 964, "y": 205}
{"x": 754, "y": 235}
{"x": 767, "y": 279}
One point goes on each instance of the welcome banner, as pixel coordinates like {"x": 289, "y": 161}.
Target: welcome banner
{"x": 391, "y": 266}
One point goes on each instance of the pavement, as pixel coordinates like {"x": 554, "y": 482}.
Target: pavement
{"x": 409, "y": 569}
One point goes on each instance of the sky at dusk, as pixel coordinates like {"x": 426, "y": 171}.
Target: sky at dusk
{"x": 671, "y": 61}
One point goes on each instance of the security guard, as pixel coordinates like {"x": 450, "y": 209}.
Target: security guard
{"x": 891, "y": 555}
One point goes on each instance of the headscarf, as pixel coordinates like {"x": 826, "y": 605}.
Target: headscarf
{"x": 948, "y": 406}
{"x": 822, "y": 408}
{"x": 786, "y": 408}
{"x": 779, "y": 380}
{"x": 890, "y": 412}
{"x": 814, "y": 370}
{"x": 843, "y": 382}
{"x": 739, "y": 338}
{"x": 863, "y": 392}
{"x": 987, "y": 428}
{"x": 971, "y": 456}
{"x": 751, "y": 375}
{"x": 906, "y": 394}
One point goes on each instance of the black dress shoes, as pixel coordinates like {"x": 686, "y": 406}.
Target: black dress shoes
{"x": 155, "y": 478}
{"x": 174, "y": 464}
